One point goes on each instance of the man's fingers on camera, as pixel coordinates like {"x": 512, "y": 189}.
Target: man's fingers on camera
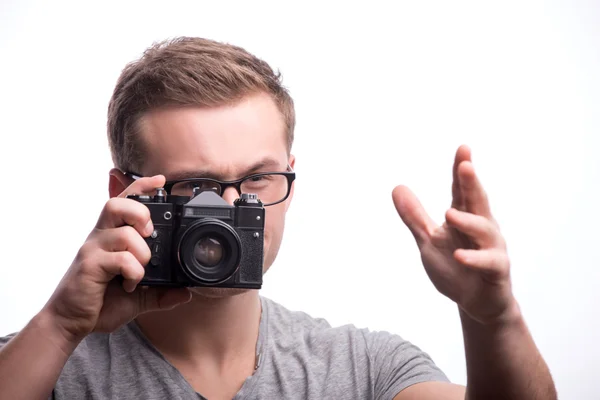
{"x": 145, "y": 185}
{"x": 125, "y": 238}
{"x": 119, "y": 212}
{"x": 125, "y": 264}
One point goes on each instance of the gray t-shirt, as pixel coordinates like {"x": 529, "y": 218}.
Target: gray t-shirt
{"x": 299, "y": 357}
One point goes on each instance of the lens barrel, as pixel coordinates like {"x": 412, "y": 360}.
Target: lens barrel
{"x": 209, "y": 251}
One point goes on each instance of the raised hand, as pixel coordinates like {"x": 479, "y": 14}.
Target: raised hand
{"x": 465, "y": 257}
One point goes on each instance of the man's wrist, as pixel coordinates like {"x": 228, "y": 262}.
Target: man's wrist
{"x": 49, "y": 327}
{"x": 510, "y": 317}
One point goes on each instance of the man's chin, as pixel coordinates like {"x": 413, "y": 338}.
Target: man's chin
{"x": 217, "y": 293}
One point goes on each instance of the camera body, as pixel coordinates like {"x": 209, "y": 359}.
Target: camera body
{"x": 204, "y": 241}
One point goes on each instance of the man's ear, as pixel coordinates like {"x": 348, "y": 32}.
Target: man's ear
{"x": 291, "y": 162}
{"x": 117, "y": 182}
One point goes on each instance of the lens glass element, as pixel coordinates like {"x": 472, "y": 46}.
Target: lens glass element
{"x": 208, "y": 252}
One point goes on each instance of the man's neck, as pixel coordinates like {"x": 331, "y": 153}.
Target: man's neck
{"x": 214, "y": 330}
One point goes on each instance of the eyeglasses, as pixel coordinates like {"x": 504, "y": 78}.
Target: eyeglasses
{"x": 270, "y": 187}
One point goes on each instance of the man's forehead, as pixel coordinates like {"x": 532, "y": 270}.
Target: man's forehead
{"x": 221, "y": 142}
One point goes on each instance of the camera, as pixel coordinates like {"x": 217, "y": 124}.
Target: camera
{"x": 201, "y": 240}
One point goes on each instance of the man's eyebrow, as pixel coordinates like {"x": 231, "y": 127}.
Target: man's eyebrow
{"x": 262, "y": 165}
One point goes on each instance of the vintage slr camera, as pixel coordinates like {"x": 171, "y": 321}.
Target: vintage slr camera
{"x": 204, "y": 241}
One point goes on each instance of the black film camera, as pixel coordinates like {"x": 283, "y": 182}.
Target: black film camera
{"x": 204, "y": 241}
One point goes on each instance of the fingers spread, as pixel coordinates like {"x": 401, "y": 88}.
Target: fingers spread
{"x": 413, "y": 214}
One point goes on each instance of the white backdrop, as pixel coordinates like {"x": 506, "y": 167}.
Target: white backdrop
{"x": 385, "y": 94}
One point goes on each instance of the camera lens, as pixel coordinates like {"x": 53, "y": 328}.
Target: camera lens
{"x": 208, "y": 251}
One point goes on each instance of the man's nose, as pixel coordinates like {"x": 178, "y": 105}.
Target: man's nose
{"x": 230, "y": 195}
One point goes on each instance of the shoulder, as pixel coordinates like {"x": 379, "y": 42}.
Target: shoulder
{"x": 6, "y": 339}
{"x": 369, "y": 363}
{"x": 291, "y": 328}
{"x": 123, "y": 351}
{"x": 91, "y": 361}
{"x": 105, "y": 365}
{"x": 291, "y": 325}
{"x": 283, "y": 320}
{"x": 85, "y": 372}
{"x": 306, "y": 357}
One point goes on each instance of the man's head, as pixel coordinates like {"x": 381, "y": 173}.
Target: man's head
{"x": 197, "y": 108}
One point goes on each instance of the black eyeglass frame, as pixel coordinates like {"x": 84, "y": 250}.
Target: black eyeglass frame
{"x": 237, "y": 184}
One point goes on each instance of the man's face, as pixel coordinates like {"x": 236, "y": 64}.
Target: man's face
{"x": 225, "y": 143}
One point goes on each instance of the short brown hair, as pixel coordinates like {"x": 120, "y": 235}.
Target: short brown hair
{"x": 186, "y": 71}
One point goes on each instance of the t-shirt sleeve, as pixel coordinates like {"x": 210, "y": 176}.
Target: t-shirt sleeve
{"x": 396, "y": 364}
{"x": 6, "y": 339}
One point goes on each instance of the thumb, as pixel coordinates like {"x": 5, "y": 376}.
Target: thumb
{"x": 413, "y": 214}
{"x": 155, "y": 299}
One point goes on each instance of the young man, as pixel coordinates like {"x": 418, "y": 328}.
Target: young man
{"x": 194, "y": 108}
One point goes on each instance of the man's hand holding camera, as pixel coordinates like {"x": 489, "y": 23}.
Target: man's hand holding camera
{"x": 89, "y": 298}
{"x": 465, "y": 257}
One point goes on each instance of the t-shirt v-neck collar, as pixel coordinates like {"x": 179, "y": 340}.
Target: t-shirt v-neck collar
{"x": 249, "y": 384}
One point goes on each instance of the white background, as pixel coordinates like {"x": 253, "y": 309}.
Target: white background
{"x": 385, "y": 94}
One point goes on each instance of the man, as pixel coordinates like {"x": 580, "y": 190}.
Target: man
{"x": 195, "y": 108}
